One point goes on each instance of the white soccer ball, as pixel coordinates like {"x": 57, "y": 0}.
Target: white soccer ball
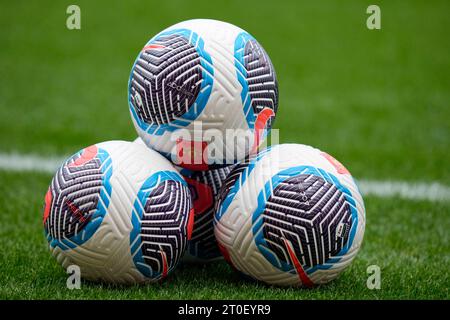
{"x": 291, "y": 215}
{"x": 204, "y": 187}
{"x": 116, "y": 217}
{"x": 193, "y": 81}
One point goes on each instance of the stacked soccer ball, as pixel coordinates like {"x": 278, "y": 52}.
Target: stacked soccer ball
{"x": 195, "y": 185}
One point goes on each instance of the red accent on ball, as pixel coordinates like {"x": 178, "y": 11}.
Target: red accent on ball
{"x": 226, "y": 255}
{"x": 204, "y": 199}
{"x": 165, "y": 269}
{"x": 48, "y": 203}
{"x": 87, "y": 155}
{"x": 300, "y": 272}
{"x": 153, "y": 46}
{"x": 339, "y": 166}
{"x": 190, "y": 154}
{"x": 190, "y": 225}
{"x": 260, "y": 124}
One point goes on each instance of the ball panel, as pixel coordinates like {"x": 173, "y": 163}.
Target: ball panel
{"x": 168, "y": 71}
{"x": 78, "y": 198}
{"x": 160, "y": 224}
{"x": 305, "y": 228}
{"x": 170, "y": 82}
{"x": 304, "y": 210}
{"x": 256, "y": 74}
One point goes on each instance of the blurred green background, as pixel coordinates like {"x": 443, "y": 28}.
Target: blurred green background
{"x": 378, "y": 100}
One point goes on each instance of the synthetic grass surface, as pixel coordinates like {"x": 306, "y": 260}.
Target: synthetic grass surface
{"x": 377, "y": 100}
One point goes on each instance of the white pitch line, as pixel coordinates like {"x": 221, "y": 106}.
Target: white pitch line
{"x": 20, "y": 162}
{"x": 433, "y": 191}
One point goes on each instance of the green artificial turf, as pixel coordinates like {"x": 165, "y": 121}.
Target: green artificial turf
{"x": 409, "y": 241}
{"x": 377, "y": 100}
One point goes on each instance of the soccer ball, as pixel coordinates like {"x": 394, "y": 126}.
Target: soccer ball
{"x": 204, "y": 187}
{"x": 203, "y": 93}
{"x": 290, "y": 215}
{"x": 116, "y": 217}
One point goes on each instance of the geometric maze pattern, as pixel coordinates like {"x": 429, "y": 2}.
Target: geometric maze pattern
{"x": 166, "y": 79}
{"x": 72, "y": 203}
{"x": 204, "y": 186}
{"x": 257, "y": 77}
{"x": 261, "y": 79}
{"x": 312, "y": 215}
{"x": 232, "y": 177}
{"x": 163, "y": 228}
{"x": 239, "y": 172}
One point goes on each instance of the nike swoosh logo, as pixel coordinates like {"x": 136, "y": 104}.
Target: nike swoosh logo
{"x": 260, "y": 124}
{"x": 300, "y": 272}
{"x": 164, "y": 261}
